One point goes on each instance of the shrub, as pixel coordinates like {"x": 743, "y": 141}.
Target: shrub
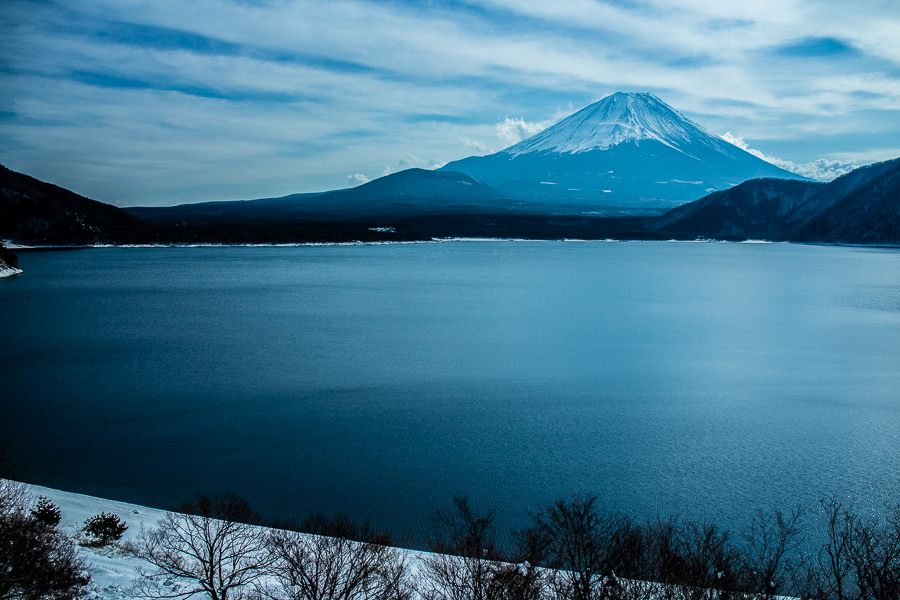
{"x": 104, "y": 529}
{"x": 37, "y": 561}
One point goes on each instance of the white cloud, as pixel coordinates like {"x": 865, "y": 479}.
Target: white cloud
{"x": 414, "y": 162}
{"x": 479, "y": 147}
{"x": 821, "y": 169}
{"x": 357, "y": 179}
{"x": 513, "y": 131}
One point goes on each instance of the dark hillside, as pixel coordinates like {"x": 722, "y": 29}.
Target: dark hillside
{"x": 870, "y": 214}
{"x": 409, "y": 192}
{"x": 34, "y": 212}
{"x": 861, "y": 207}
{"x": 839, "y": 189}
{"x": 264, "y": 209}
{"x": 414, "y": 190}
{"x": 753, "y": 209}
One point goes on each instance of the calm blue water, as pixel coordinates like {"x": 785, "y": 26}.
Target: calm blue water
{"x": 703, "y": 379}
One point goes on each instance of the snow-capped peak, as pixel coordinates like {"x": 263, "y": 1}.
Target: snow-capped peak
{"x": 616, "y": 119}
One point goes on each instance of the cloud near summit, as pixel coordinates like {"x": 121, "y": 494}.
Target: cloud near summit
{"x": 513, "y": 130}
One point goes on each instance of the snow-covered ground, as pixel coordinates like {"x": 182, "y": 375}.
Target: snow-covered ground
{"x": 8, "y": 271}
{"x": 113, "y": 572}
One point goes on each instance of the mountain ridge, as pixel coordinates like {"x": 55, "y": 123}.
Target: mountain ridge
{"x": 862, "y": 206}
{"x": 409, "y": 191}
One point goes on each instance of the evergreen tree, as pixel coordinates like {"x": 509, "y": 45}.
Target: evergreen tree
{"x": 104, "y": 529}
{"x": 46, "y": 512}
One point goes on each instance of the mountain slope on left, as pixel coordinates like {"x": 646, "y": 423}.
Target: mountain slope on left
{"x": 37, "y": 213}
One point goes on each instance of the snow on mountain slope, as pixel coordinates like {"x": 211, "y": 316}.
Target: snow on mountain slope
{"x": 616, "y": 119}
{"x": 629, "y": 150}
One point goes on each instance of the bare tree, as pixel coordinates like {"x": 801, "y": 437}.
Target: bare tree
{"x": 8, "y": 469}
{"x": 521, "y": 576}
{"x": 465, "y": 558}
{"x": 693, "y": 560}
{"x": 584, "y": 547}
{"x": 13, "y": 497}
{"x": 212, "y": 547}
{"x": 771, "y": 540}
{"x": 519, "y": 581}
{"x": 316, "y": 567}
{"x": 875, "y": 556}
{"x": 835, "y": 568}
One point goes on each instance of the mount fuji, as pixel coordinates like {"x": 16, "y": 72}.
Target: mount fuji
{"x": 624, "y": 150}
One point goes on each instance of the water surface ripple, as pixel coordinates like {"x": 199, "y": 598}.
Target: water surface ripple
{"x": 702, "y": 379}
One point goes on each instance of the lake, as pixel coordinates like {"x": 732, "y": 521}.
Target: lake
{"x": 705, "y": 379}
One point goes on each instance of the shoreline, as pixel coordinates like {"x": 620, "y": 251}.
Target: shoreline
{"x": 7, "y": 271}
{"x": 26, "y": 248}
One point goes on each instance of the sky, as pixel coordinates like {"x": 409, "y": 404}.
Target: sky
{"x": 164, "y": 102}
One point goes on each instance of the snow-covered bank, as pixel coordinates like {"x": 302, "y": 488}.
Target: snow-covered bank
{"x": 114, "y": 572}
{"x": 7, "y": 261}
{"x": 8, "y": 271}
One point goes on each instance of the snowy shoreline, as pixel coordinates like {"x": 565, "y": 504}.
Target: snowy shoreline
{"x": 407, "y": 243}
{"x": 24, "y": 248}
{"x": 7, "y": 271}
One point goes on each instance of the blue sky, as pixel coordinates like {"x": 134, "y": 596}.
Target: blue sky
{"x": 164, "y": 102}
